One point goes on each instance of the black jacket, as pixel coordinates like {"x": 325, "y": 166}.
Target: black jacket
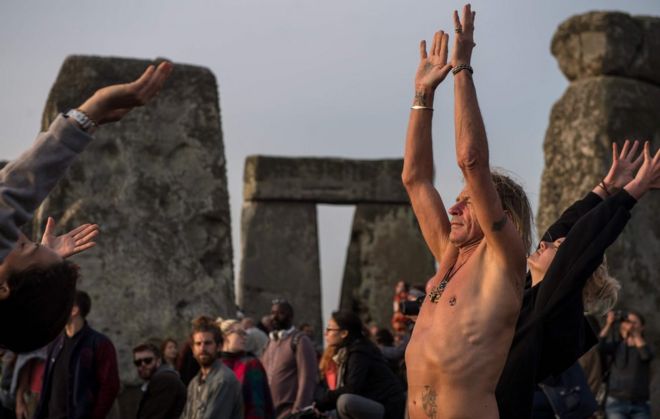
{"x": 552, "y": 332}
{"x": 367, "y": 374}
{"x": 93, "y": 381}
{"x": 164, "y": 397}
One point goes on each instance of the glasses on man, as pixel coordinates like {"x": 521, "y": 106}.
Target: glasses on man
{"x": 143, "y": 361}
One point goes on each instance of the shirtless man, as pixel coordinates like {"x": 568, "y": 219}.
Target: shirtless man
{"x": 466, "y": 323}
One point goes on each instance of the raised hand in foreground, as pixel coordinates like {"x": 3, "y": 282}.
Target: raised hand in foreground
{"x": 111, "y": 103}
{"x": 75, "y": 241}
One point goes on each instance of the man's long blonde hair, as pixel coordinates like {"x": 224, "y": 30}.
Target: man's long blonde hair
{"x": 515, "y": 203}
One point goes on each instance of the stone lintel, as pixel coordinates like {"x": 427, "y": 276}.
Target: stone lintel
{"x": 323, "y": 180}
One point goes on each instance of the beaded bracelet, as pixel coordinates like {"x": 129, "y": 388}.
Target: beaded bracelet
{"x": 461, "y": 67}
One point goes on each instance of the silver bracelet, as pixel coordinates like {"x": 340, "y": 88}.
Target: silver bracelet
{"x": 420, "y": 107}
{"x": 461, "y": 67}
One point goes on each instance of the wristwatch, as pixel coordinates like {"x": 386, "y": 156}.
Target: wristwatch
{"x": 85, "y": 122}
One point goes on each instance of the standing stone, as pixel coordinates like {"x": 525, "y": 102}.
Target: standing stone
{"x": 597, "y": 109}
{"x": 280, "y": 259}
{"x": 156, "y": 184}
{"x": 386, "y": 247}
{"x": 609, "y": 43}
{"x": 280, "y": 244}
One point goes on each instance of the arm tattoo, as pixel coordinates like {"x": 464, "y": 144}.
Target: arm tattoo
{"x": 419, "y": 99}
{"x": 428, "y": 402}
{"x": 499, "y": 225}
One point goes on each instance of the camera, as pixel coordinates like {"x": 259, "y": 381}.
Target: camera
{"x": 620, "y": 315}
{"x": 411, "y": 308}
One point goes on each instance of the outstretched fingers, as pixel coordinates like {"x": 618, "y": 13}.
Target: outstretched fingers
{"x": 624, "y": 149}
{"x": 144, "y": 78}
{"x": 83, "y": 247}
{"x": 444, "y": 50}
{"x": 50, "y": 227}
{"x": 656, "y": 161}
{"x": 158, "y": 79}
{"x": 640, "y": 158}
{"x": 633, "y": 149}
{"x": 647, "y": 151}
{"x": 150, "y": 82}
{"x": 85, "y": 232}
{"x": 79, "y": 229}
{"x": 457, "y": 22}
{"x": 468, "y": 17}
{"x": 435, "y": 50}
{"x": 655, "y": 182}
{"x": 422, "y": 50}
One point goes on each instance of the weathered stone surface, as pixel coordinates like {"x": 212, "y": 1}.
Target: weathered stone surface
{"x": 591, "y": 114}
{"x": 386, "y": 247}
{"x": 327, "y": 180}
{"x": 156, "y": 184}
{"x": 609, "y": 43}
{"x": 280, "y": 259}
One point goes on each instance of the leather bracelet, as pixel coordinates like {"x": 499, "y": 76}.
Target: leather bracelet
{"x": 421, "y": 107}
{"x": 461, "y": 67}
{"x": 602, "y": 185}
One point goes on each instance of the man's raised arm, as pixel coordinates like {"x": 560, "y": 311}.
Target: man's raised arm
{"x": 472, "y": 152}
{"x": 417, "y": 173}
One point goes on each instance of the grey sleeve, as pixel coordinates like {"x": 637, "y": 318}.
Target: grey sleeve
{"x": 26, "y": 181}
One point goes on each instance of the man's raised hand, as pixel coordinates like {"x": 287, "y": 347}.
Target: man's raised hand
{"x": 433, "y": 67}
{"x": 111, "y": 103}
{"x": 464, "y": 39}
{"x": 75, "y": 241}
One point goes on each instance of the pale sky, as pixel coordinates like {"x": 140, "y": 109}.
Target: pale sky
{"x": 308, "y": 78}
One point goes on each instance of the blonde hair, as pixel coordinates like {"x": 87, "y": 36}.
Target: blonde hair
{"x": 601, "y": 291}
{"x": 515, "y": 203}
{"x": 226, "y": 325}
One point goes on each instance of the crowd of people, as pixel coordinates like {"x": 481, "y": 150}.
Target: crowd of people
{"x": 240, "y": 368}
{"x": 499, "y": 331}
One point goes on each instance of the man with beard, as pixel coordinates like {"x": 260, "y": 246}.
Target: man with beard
{"x": 164, "y": 394}
{"x": 215, "y": 392}
{"x": 290, "y": 363}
